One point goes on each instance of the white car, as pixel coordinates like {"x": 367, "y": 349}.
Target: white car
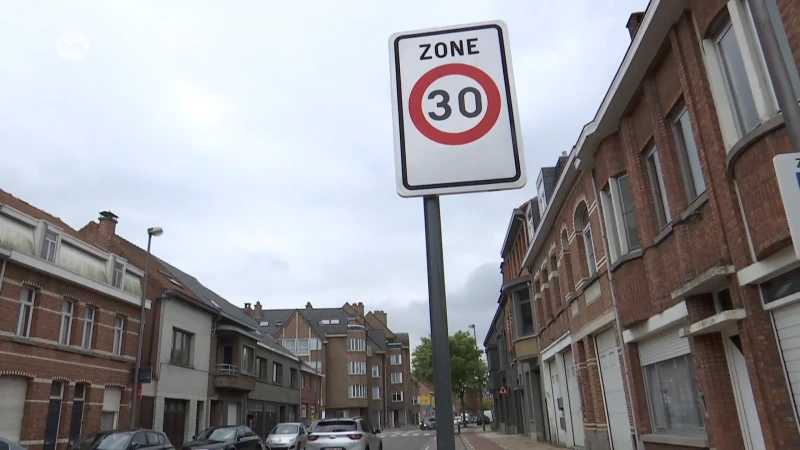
{"x": 344, "y": 434}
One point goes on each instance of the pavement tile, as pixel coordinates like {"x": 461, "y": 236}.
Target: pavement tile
{"x": 490, "y": 440}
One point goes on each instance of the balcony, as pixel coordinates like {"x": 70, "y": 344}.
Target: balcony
{"x": 527, "y": 347}
{"x": 228, "y": 376}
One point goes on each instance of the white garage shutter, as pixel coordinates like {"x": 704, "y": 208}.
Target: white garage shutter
{"x": 613, "y": 383}
{"x": 663, "y": 346}
{"x": 787, "y": 325}
{"x": 12, "y": 396}
{"x": 111, "y": 399}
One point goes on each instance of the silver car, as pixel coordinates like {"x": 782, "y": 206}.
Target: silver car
{"x": 290, "y": 435}
{"x": 344, "y": 434}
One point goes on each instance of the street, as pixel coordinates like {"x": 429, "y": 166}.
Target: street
{"x": 409, "y": 440}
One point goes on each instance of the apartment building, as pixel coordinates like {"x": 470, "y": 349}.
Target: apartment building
{"x": 69, "y": 321}
{"x": 366, "y": 366}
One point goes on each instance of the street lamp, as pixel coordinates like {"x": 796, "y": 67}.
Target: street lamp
{"x": 153, "y": 231}
{"x": 480, "y": 407}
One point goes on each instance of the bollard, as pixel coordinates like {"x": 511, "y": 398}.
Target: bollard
{"x": 459, "y": 427}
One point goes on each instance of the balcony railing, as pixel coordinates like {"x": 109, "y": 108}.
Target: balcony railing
{"x": 226, "y": 369}
{"x": 228, "y": 376}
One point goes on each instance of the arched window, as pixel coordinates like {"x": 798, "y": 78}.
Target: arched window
{"x": 584, "y": 228}
{"x": 566, "y": 274}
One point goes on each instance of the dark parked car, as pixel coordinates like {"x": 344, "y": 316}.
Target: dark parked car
{"x": 123, "y": 440}
{"x": 225, "y": 438}
{"x": 428, "y": 424}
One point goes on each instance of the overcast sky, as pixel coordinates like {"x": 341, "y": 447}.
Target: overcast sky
{"x": 258, "y": 134}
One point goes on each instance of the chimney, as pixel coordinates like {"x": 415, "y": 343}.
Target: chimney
{"x": 257, "y": 313}
{"x": 381, "y": 316}
{"x": 108, "y": 223}
{"x": 634, "y": 21}
{"x": 248, "y": 310}
{"x": 308, "y": 305}
{"x": 359, "y": 307}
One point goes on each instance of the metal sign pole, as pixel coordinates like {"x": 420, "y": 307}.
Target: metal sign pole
{"x": 442, "y": 384}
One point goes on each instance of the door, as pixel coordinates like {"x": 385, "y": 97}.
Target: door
{"x": 270, "y": 417}
{"x": 558, "y": 404}
{"x": 787, "y": 325}
{"x": 574, "y": 394}
{"x": 613, "y": 390}
{"x": 233, "y": 414}
{"x": 174, "y": 420}
{"x": 745, "y": 400}
{"x": 13, "y": 391}
{"x": 53, "y": 415}
{"x": 226, "y": 355}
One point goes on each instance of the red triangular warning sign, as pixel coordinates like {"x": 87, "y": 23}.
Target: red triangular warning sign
{"x": 503, "y": 390}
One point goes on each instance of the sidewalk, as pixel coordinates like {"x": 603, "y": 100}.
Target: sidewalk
{"x": 477, "y": 439}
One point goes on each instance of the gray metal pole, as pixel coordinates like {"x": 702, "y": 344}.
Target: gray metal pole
{"x": 442, "y": 382}
{"x": 778, "y": 71}
{"x": 135, "y": 398}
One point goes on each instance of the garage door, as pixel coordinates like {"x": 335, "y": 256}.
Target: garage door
{"x": 614, "y": 390}
{"x": 576, "y": 413}
{"x": 787, "y": 324}
{"x": 12, "y": 391}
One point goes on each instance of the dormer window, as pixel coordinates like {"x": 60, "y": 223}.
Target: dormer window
{"x": 334, "y": 321}
{"x": 529, "y": 222}
{"x": 49, "y": 245}
{"x": 541, "y": 194}
{"x": 264, "y": 323}
{"x": 279, "y": 323}
{"x": 118, "y": 274}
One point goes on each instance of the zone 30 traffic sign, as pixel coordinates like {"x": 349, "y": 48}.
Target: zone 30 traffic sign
{"x": 456, "y": 125}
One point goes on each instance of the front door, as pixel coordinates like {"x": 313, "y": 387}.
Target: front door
{"x": 174, "y": 420}
{"x": 558, "y": 403}
{"x": 745, "y": 400}
{"x": 233, "y": 414}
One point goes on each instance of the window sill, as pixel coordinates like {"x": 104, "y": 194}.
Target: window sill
{"x": 750, "y": 138}
{"x": 663, "y": 234}
{"x": 177, "y": 364}
{"x": 630, "y": 256}
{"x": 583, "y": 282}
{"x": 678, "y": 440}
{"x": 118, "y": 358}
{"x": 693, "y": 207}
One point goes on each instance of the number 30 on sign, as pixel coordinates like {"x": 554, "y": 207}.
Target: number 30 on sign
{"x": 456, "y": 125}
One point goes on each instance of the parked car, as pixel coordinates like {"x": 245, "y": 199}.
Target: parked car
{"x": 89, "y": 441}
{"x": 225, "y": 438}
{"x": 313, "y": 426}
{"x": 123, "y": 440}
{"x": 287, "y": 435}
{"x": 346, "y": 434}
{"x": 8, "y": 444}
{"x": 429, "y": 423}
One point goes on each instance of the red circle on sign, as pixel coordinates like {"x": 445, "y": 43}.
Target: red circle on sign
{"x": 464, "y": 137}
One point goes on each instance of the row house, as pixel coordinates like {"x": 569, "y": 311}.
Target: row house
{"x": 366, "y": 367}
{"x": 678, "y": 328}
{"x": 69, "y": 322}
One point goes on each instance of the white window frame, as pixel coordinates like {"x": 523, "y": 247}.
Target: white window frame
{"x": 314, "y": 344}
{"x": 293, "y": 348}
{"x": 652, "y": 402}
{"x": 529, "y": 221}
{"x": 397, "y": 378}
{"x": 658, "y": 189}
{"x": 519, "y": 332}
{"x": 356, "y": 367}
{"x": 415, "y": 400}
{"x": 588, "y": 242}
{"x": 119, "y": 334}
{"x": 357, "y": 391}
{"x": 27, "y": 301}
{"x": 397, "y": 396}
{"x": 741, "y": 23}
{"x": 45, "y": 255}
{"x": 376, "y": 393}
{"x": 89, "y": 318}
{"x": 300, "y": 351}
{"x": 65, "y": 331}
{"x": 303, "y": 411}
{"x": 616, "y": 229}
{"x": 116, "y": 280}
{"x": 694, "y": 182}
{"x": 356, "y": 345}
{"x": 396, "y": 359}
{"x": 277, "y": 372}
{"x": 376, "y": 371}
{"x": 542, "y": 198}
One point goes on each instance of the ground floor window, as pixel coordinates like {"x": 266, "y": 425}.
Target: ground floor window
{"x": 304, "y": 411}
{"x": 672, "y": 397}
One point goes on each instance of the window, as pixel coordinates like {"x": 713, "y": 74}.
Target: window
{"x": 291, "y": 345}
{"x": 356, "y": 368}
{"x": 76, "y": 420}
{"x": 415, "y": 400}
{"x": 25, "y": 312}
{"x": 314, "y": 344}
{"x": 396, "y": 359}
{"x": 316, "y": 365}
{"x": 119, "y": 330}
{"x": 541, "y": 194}
{"x": 334, "y": 321}
{"x": 356, "y": 345}
{"x": 118, "y": 274}
{"x": 248, "y": 360}
{"x": 584, "y": 226}
{"x": 302, "y": 347}
{"x": 397, "y": 396}
{"x": 376, "y": 371}
{"x": 357, "y": 391}
{"x": 369, "y": 350}
{"x": 656, "y": 175}
{"x": 293, "y": 378}
{"x": 88, "y": 327}
{"x": 303, "y": 411}
{"x": 530, "y": 222}
{"x": 397, "y": 378}
{"x": 325, "y": 322}
{"x": 737, "y": 86}
{"x": 672, "y": 397}
{"x": 524, "y": 320}
{"x": 181, "y": 348}
{"x": 376, "y": 393}
{"x": 277, "y": 373}
{"x": 67, "y": 309}
{"x": 261, "y": 369}
{"x": 623, "y": 231}
{"x": 688, "y": 156}
{"x": 49, "y": 245}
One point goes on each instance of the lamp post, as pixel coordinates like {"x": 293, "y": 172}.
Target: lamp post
{"x": 153, "y": 231}
{"x": 480, "y": 407}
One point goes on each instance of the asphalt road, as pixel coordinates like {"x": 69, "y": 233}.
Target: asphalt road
{"x": 409, "y": 440}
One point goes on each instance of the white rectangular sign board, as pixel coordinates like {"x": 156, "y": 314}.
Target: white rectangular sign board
{"x": 787, "y": 169}
{"x": 456, "y": 124}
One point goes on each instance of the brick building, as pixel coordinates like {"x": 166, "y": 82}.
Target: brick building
{"x": 69, "y": 320}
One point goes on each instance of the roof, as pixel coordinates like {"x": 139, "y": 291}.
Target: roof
{"x": 498, "y": 311}
{"x": 312, "y": 316}
{"x": 20, "y": 205}
{"x": 273, "y": 317}
{"x": 514, "y": 225}
{"x": 378, "y": 337}
{"x": 403, "y": 338}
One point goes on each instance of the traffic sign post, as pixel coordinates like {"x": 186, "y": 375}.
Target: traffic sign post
{"x": 787, "y": 170}
{"x": 456, "y": 131}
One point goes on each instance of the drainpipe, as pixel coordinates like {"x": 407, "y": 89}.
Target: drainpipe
{"x": 625, "y": 362}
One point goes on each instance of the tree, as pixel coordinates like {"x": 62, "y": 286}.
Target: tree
{"x": 468, "y": 369}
